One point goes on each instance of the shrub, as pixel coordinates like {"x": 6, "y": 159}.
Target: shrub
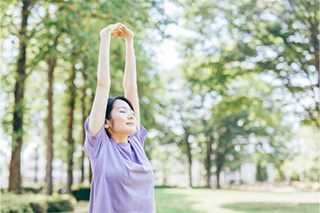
{"x": 60, "y": 203}
{"x": 13, "y": 203}
{"x": 38, "y": 203}
{"x": 82, "y": 193}
{"x": 32, "y": 189}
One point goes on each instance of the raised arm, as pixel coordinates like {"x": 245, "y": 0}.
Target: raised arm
{"x": 98, "y": 111}
{"x": 130, "y": 74}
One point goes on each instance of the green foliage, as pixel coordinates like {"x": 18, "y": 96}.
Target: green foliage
{"x": 81, "y": 193}
{"x": 234, "y": 48}
{"x": 304, "y": 163}
{"x": 32, "y": 189}
{"x": 36, "y": 203}
{"x": 57, "y": 29}
{"x": 261, "y": 174}
{"x": 222, "y": 90}
{"x": 287, "y": 40}
{"x": 10, "y": 203}
{"x": 60, "y": 203}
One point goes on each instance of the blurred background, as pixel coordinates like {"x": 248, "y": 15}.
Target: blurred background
{"x": 229, "y": 92}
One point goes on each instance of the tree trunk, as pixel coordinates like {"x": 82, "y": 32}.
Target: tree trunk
{"x": 208, "y": 161}
{"x": 282, "y": 176}
{"x": 218, "y": 177}
{"x": 189, "y": 159}
{"x": 36, "y": 165}
{"x": 72, "y": 92}
{"x": 313, "y": 23}
{"x": 259, "y": 172}
{"x": 51, "y": 65}
{"x": 84, "y": 116}
{"x": 221, "y": 151}
{"x": 219, "y": 163}
{"x": 165, "y": 176}
{"x": 18, "y": 111}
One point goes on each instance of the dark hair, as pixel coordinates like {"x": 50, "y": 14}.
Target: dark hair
{"x": 110, "y": 107}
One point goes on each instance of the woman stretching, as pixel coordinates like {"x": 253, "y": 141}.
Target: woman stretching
{"x": 122, "y": 174}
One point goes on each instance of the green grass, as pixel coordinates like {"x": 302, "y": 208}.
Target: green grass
{"x": 201, "y": 200}
{"x": 173, "y": 202}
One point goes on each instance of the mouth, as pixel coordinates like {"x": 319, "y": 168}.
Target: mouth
{"x": 131, "y": 124}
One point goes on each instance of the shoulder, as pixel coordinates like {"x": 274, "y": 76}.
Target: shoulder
{"x": 140, "y": 134}
{"x": 101, "y": 134}
{"x": 93, "y": 143}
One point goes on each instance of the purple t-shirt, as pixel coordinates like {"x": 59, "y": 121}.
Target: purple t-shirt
{"x": 122, "y": 179}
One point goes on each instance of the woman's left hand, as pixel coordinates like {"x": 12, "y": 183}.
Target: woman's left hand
{"x": 123, "y": 31}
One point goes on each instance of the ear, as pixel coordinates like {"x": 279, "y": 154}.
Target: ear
{"x": 107, "y": 124}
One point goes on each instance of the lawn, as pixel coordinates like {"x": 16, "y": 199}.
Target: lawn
{"x": 208, "y": 200}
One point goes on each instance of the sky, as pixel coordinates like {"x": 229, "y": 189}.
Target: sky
{"x": 167, "y": 55}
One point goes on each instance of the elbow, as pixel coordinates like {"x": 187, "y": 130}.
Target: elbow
{"x": 103, "y": 84}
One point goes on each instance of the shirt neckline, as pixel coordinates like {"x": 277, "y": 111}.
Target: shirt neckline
{"x": 122, "y": 143}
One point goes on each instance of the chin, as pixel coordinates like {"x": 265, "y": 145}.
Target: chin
{"x": 131, "y": 130}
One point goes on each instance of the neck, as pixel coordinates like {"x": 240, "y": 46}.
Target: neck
{"x": 120, "y": 138}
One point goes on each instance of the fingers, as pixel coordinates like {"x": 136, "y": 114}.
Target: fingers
{"x": 118, "y": 31}
{"x": 114, "y": 26}
{"x": 121, "y": 30}
{"x": 117, "y": 25}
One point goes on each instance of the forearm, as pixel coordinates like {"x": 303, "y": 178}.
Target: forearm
{"x": 102, "y": 92}
{"x": 103, "y": 73}
{"x": 130, "y": 74}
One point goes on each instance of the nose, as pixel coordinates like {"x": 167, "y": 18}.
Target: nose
{"x": 130, "y": 117}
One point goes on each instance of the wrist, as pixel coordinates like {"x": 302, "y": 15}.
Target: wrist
{"x": 105, "y": 36}
{"x": 129, "y": 40}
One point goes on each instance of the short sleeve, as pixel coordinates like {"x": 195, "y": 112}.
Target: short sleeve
{"x": 142, "y": 134}
{"x": 93, "y": 144}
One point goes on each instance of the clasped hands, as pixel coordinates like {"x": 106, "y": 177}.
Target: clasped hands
{"x": 119, "y": 30}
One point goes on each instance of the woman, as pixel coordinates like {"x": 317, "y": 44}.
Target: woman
{"x": 122, "y": 178}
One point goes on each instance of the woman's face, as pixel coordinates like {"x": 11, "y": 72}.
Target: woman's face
{"x": 123, "y": 121}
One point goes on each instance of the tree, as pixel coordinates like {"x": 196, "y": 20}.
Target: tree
{"x": 230, "y": 41}
{"x": 65, "y": 27}
{"x": 51, "y": 64}
{"x": 15, "y": 174}
{"x": 281, "y": 39}
{"x": 278, "y": 39}
{"x": 181, "y": 119}
{"x": 303, "y": 161}
{"x": 51, "y": 57}
{"x": 84, "y": 113}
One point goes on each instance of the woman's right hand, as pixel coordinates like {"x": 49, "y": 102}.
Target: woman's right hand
{"x": 108, "y": 30}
